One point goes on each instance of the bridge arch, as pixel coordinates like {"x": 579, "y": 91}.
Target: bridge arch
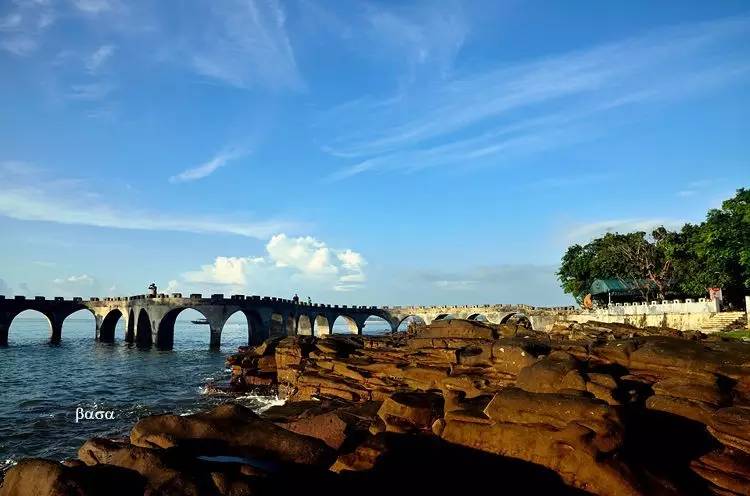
{"x": 304, "y": 326}
{"x": 407, "y": 321}
{"x": 69, "y": 323}
{"x": 253, "y": 322}
{"x": 282, "y": 325}
{"x": 479, "y": 317}
{"x": 444, "y": 316}
{"x": 109, "y": 324}
{"x": 321, "y": 326}
{"x": 165, "y": 330}
{"x": 18, "y": 326}
{"x": 377, "y": 325}
{"x": 344, "y": 321}
{"x": 143, "y": 330}
{"x": 518, "y": 318}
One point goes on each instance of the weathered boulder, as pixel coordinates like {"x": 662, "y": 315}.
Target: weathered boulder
{"x": 408, "y": 412}
{"x": 731, "y": 426}
{"x": 727, "y": 470}
{"x": 510, "y": 355}
{"x": 696, "y": 398}
{"x": 364, "y": 457}
{"x": 38, "y": 477}
{"x": 160, "y": 468}
{"x": 556, "y": 371}
{"x": 230, "y": 429}
{"x": 662, "y": 357}
{"x": 458, "y": 328}
{"x": 328, "y": 427}
{"x": 573, "y": 435}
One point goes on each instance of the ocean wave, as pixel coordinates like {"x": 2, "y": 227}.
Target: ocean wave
{"x": 261, "y": 403}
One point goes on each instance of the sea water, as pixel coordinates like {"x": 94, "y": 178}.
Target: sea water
{"x": 46, "y": 389}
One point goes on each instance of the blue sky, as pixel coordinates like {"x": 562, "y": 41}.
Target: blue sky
{"x": 356, "y": 152}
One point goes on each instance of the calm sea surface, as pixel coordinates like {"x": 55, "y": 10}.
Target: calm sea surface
{"x": 41, "y": 385}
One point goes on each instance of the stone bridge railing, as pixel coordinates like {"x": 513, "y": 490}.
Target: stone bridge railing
{"x": 150, "y": 319}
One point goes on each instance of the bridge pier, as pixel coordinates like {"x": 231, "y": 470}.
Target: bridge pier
{"x": 55, "y": 325}
{"x": 4, "y": 326}
{"x": 215, "y": 337}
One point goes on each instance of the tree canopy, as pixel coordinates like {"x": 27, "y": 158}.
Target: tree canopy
{"x": 663, "y": 263}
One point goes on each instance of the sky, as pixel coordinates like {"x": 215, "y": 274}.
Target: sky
{"x": 358, "y": 152}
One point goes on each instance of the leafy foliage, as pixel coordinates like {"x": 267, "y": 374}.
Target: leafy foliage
{"x": 714, "y": 253}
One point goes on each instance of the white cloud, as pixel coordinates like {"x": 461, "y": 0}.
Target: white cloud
{"x": 83, "y": 279}
{"x": 207, "y": 168}
{"x": 305, "y": 254}
{"x": 31, "y": 194}
{"x": 76, "y": 284}
{"x": 172, "y": 287}
{"x": 43, "y": 263}
{"x": 304, "y": 260}
{"x": 225, "y": 271}
{"x": 100, "y": 56}
{"x": 455, "y": 285}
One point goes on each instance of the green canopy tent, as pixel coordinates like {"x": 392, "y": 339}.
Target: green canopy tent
{"x": 617, "y": 290}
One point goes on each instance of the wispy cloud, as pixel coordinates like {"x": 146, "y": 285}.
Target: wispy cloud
{"x": 425, "y": 37}
{"x": 11, "y": 21}
{"x": 501, "y": 283}
{"x": 99, "y": 58}
{"x": 22, "y": 28}
{"x": 37, "y": 196}
{"x": 94, "y": 6}
{"x": 585, "y": 232}
{"x": 694, "y": 187}
{"x": 244, "y": 43}
{"x": 531, "y": 106}
{"x": 207, "y": 168}
{"x": 90, "y": 91}
{"x": 20, "y": 46}
{"x": 83, "y": 279}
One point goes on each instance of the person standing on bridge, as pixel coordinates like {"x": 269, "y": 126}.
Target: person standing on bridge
{"x": 309, "y": 300}
{"x": 295, "y": 299}
{"x": 152, "y": 289}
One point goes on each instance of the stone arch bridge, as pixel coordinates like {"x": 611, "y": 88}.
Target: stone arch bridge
{"x": 150, "y": 319}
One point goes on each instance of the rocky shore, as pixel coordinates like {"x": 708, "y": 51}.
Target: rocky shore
{"x": 450, "y": 408}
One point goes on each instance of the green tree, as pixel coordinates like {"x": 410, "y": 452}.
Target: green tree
{"x": 714, "y": 253}
{"x": 722, "y": 247}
